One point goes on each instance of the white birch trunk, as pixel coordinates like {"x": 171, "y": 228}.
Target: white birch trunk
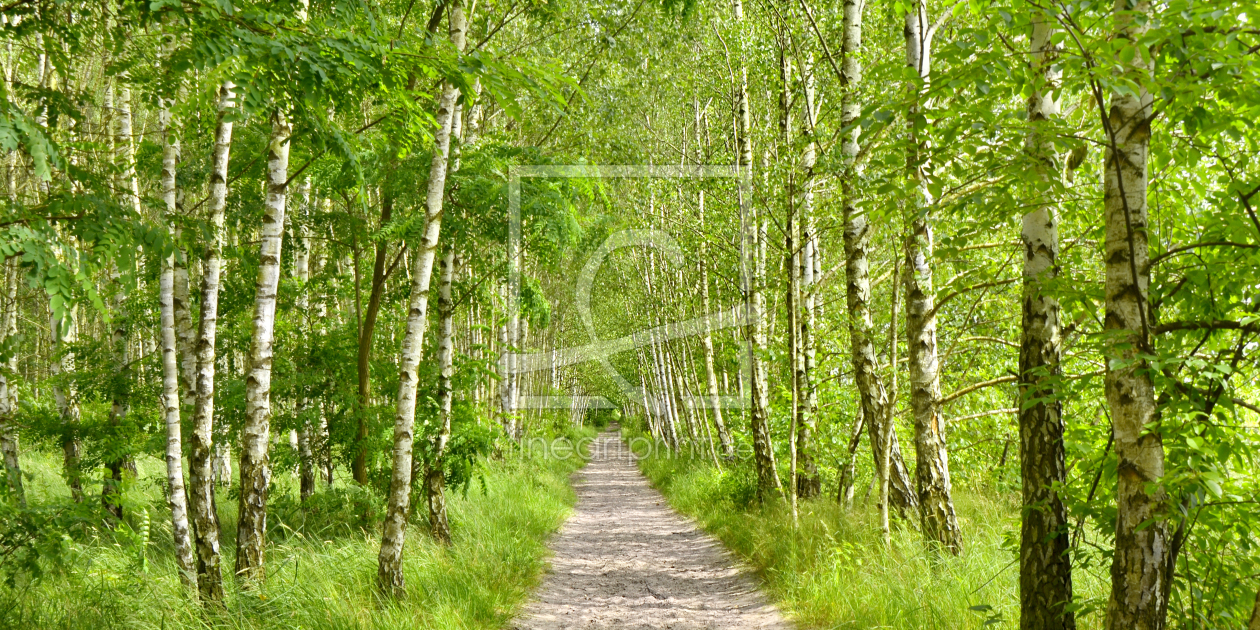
{"x": 1045, "y": 567}
{"x": 176, "y": 497}
{"x": 302, "y": 273}
{"x": 1141, "y": 567}
{"x": 939, "y": 521}
{"x": 706, "y": 340}
{"x": 389, "y": 572}
{"x": 8, "y": 393}
{"x": 255, "y": 465}
{"x": 111, "y": 488}
{"x": 857, "y": 245}
{"x": 435, "y": 471}
{"x": 201, "y": 465}
{"x": 808, "y": 482}
{"x": 767, "y": 476}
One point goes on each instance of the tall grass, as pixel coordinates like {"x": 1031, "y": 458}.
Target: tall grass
{"x": 314, "y": 580}
{"x": 832, "y": 571}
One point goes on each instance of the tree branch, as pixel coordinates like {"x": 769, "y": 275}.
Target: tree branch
{"x": 982, "y": 285}
{"x": 967, "y": 390}
{"x": 1210, "y": 324}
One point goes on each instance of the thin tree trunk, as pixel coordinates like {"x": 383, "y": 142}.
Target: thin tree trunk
{"x": 1140, "y": 569}
{"x": 175, "y": 495}
{"x": 940, "y": 523}
{"x": 509, "y": 337}
{"x": 8, "y": 393}
{"x": 890, "y": 419}
{"x": 791, "y": 266}
{"x": 857, "y": 245}
{"x": 706, "y": 340}
{"x": 768, "y": 484}
{"x": 1045, "y": 568}
{"x": 111, "y": 489}
{"x": 366, "y": 335}
{"x": 389, "y": 574}
{"x": 808, "y": 482}
{"x": 302, "y": 303}
{"x": 67, "y": 399}
{"x": 185, "y": 333}
{"x": 844, "y": 485}
{"x": 201, "y": 457}
{"x": 435, "y": 469}
{"x": 255, "y": 465}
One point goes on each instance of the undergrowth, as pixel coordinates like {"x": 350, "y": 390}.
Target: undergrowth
{"x": 832, "y": 570}
{"x": 321, "y": 561}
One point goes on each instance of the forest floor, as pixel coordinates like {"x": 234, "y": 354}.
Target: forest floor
{"x": 625, "y": 560}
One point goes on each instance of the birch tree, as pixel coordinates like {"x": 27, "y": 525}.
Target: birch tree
{"x": 1141, "y": 566}
{"x": 808, "y": 482}
{"x": 435, "y": 472}
{"x": 8, "y": 392}
{"x": 1045, "y": 572}
{"x": 201, "y": 459}
{"x": 872, "y": 393}
{"x": 389, "y": 574}
{"x": 255, "y": 465}
{"x": 176, "y": 497}
{"x": 940, "y": 523}
{"x": 768, "y": 483}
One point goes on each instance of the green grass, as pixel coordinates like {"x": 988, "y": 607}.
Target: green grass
{"x": 314, "y": 580}
{"x": 833, "y": 571}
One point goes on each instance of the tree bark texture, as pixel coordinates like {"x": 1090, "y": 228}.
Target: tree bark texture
{"x": 857, "y": 245}
{"x": 389, "y": 574}
{"x": 435, "y": 472}
{"x": 255, "y": 466}
{"x": 8, "y": 393}
{"x": 201, "y": 477}
{"x": 175, "y": 495}
{"x": 1045, "y": 567}
{"x": 1140, "y": 569}
{"x": 939, "y": 522}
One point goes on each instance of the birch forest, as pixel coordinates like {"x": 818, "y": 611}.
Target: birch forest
{"x": 630, "y": 314}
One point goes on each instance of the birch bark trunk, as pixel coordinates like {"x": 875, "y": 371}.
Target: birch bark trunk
{"x": 201, "y": 479}
{"x": 1141, "y": 567}
{"x": 848, "y": 466}
{"x": 508, "y": 338}
{"x": 8, "y": 393}
{"x": 116, "y": 462}
{"x": 808, "y": 482}
{"x": 768, "y": 484}
{"x": 1045, "y": 568}
{"x": 67, "y": 399}
{"x": 715, "y": 400}
{"x": 857, "y": 245}
{"x": 185, "y": 334}
{"x": 791, "y": 267}
{"x": 175, "y": 496}
{"x": 301, "y": 273}
{"x": 255, "y": 466}
{"x": 940, "y": 523}
{"x": 435, "y": 470}
{"x": 389, "y": 574}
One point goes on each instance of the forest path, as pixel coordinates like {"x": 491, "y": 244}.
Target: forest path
{"x": 625, "y": 559}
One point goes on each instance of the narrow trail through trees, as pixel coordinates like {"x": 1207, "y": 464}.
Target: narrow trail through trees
{"x": 625, "y": 559}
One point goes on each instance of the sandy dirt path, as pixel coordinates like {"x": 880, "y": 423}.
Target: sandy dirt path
{"x": 625, "y": 559}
